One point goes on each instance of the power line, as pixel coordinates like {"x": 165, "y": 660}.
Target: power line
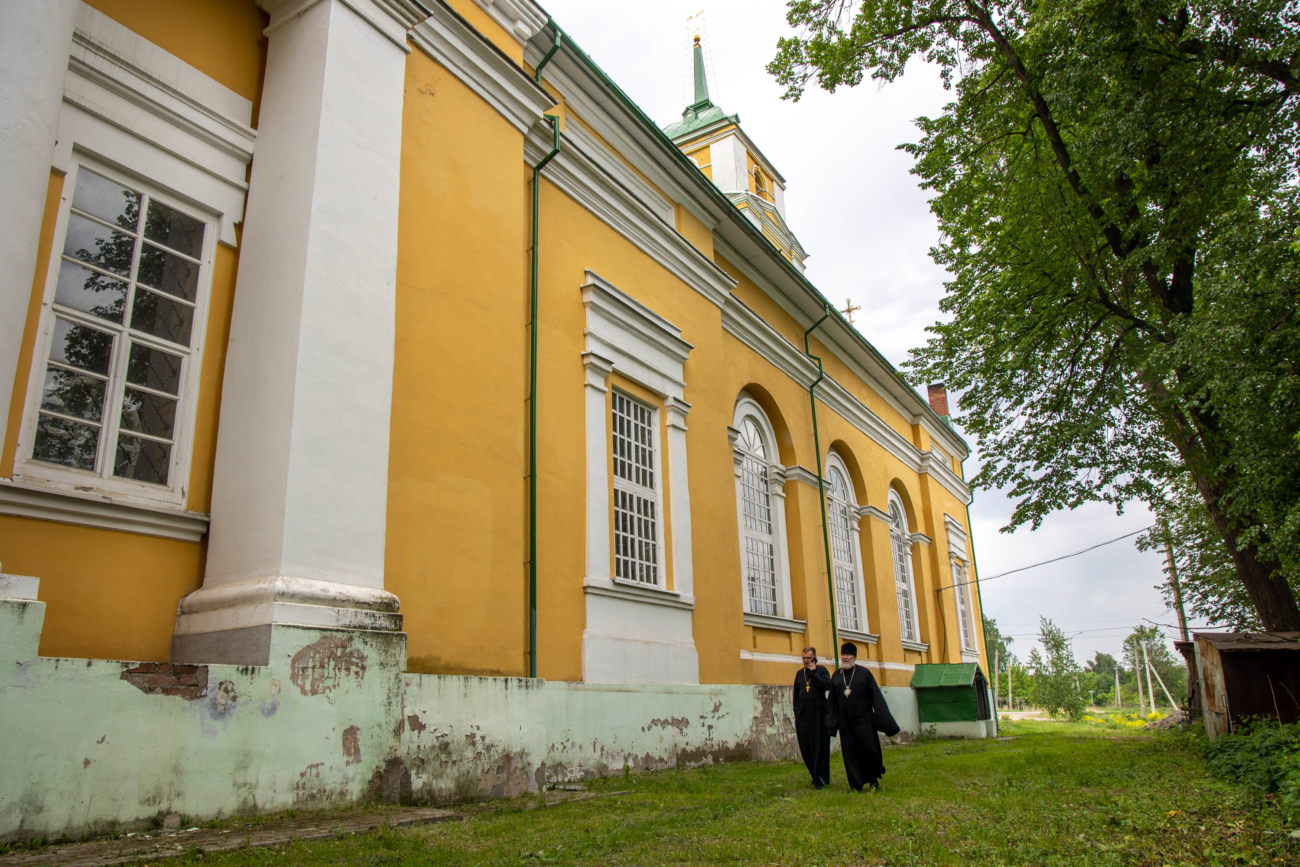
{"x": 1045, "y": 562}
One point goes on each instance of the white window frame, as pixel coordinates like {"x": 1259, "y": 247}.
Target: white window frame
{"x": 653, "y": 493}
{"x": 903, "y": 537}
{"x": 783, "y": 619}
{"x": 851, "y": 513}
{"x": 965, "y": 626}
{"x": 58, "y": 477}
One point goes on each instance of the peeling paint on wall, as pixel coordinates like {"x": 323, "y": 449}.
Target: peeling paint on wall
{"x": 322, "y": 666}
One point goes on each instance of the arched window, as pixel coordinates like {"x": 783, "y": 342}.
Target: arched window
{"x": 901, "y": 542}
{"x": 760, "y": 183}
{"x": 846, "y": 558}
{"x": 760, "y": 505}
{"x": 959, "y": 584}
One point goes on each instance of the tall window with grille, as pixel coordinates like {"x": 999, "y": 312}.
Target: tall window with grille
{"x": 756, "y": 527}
{"x": 838, "y": 502}
{"x": 960, "y": 589}
{"x": 901, "y": 545}
{"x": 122, "y": 335}
{"x": 636, "y": 491}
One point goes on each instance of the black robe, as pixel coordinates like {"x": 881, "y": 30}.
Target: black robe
{"x": 859, "y": 717}
{"x": 810, "y": 722}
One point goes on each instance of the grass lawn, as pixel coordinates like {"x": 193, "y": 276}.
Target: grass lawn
{"x": 1056, "y": 794}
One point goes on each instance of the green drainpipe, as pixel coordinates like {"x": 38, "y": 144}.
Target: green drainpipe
{"x": 821, "y": 483}
{"x": 532, "y": 388}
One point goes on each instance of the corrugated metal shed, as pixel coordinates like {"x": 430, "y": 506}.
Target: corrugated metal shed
{"x": 1247, "y": 674}
{"x": 951, "y": 692}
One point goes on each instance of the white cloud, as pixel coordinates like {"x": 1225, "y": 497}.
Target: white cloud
{"x": 866, "y": 225}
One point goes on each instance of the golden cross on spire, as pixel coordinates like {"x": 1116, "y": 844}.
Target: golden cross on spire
{"x": 848, "y": 309}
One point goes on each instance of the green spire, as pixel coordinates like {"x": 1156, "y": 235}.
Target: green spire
{"x": 701, "y": 82}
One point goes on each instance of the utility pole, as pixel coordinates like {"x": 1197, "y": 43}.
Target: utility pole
{"x": 1137, "y": 676}
{"x": 997, "y": 660}
{"x": 1010, "y": 705}
{"x": 1175, "y": 585}
{"x": 1151, "y": 693}
{"x": 1160, "y": 681}
{"x": 1119, "y": 702}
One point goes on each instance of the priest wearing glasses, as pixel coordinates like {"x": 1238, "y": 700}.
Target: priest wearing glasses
{"x": 858, "y": 710}
{"x": 810, "y": 686}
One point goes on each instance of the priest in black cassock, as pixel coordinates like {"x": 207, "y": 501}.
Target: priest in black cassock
{"x": 858, "y": 710}
{"x": 810, "y": 686}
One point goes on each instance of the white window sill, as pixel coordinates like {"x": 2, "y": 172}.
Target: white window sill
{"x": 859, "y": 637}
{"x": 781, "y": 624}
{"x": 87, "y": 510}
{"x": 915, "y": 645}
{"x": 970, "y": 656}
{"x": 634, "y": 591}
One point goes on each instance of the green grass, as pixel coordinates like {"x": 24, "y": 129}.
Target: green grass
{"x": 1100, "y": 793}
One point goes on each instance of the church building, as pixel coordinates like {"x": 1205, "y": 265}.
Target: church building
{"x": 372, "y": 366}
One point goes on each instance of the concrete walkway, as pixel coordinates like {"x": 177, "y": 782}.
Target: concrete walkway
{"x": 153, "y": 845}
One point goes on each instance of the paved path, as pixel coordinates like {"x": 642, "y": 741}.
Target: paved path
{"x": 162, "y": 844}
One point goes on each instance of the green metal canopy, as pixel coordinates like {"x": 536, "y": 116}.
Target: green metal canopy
{"x": 944, "y": 674}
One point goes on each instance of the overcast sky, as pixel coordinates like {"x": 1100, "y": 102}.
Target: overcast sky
{"x": 867, "y": 228}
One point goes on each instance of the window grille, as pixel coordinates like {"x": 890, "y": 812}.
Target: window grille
{"x": 963, "y": 606}
{"x": 756, "y": 528}
{"x": 124, "y": 310}
{"x": 846, "y": 584}
{"x": 636, "y": 502}
{"x": 902, "y": 571}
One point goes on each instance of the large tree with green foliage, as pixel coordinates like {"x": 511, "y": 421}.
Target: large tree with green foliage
{"x": 1115, "y": 183}
{"x": 1055, "y": 673}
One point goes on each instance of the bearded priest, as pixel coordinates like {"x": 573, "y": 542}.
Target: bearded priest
{"x": 858, "y": 710}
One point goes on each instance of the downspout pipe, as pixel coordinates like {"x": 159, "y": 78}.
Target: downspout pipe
{"x": 532, "y": 382}
{"x": 821, "y": 482}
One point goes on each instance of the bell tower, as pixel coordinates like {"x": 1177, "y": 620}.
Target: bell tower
{"x": 719, "y": 147}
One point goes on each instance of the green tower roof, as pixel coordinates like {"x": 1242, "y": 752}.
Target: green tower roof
{"x": 702, "y": 112}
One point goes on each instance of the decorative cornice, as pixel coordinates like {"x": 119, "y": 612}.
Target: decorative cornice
{"x": 956, "y": 537}
{"x": 781, "y": 624}
{"x": 783, "y": 658}
{"x": 920, "y": 539}
{"x": 446, "y": 38}
{"x": 520, "y": 18}
{"x": 617, "y": 322}
{"x": 858, "y": 637}
{"x": 801, "y": 474}
{"x": 617, "y": 169}
{"x": 873, "y": 512}
{"x": 629, "y": 592}
{"x": 580, "y": 178}
{"x": 915, "y": 645}
{"x": 100, "y": 512}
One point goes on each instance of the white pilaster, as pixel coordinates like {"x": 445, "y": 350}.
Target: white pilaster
{"x": 35, "y": 40}
{"x": 776, "y": 485}
{"x": 597, "y": 369}
{"x": 680, "y": 495}
{"x": 301, "y": 480}
{"x": 855, "y": 545}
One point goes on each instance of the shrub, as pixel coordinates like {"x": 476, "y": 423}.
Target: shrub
{"x": 1262, "y": 756}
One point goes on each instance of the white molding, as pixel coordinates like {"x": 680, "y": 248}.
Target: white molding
{"x": 887, "y": 666}
{"x": 520, "y": 18}
{"x": 858, "y": 637}
{"x": 798, "y": 473}
{"x": 970, "y": 656}
{"x": 915, "y": 645}
{"x": 833, "y": 460}
{"x": 739, "y": 320}
{"x": 619, "y": 589}
{"x": 956, "y": 537}
{"x": 19, "y": 587}
{"x": 446, "y": 38}
{"x": 635, "y": 633}
{"x": 869, "y": 511}
{"x": 284, "y": 599}
{"x": 770, "y": 218}
{"x": 758, "y": 656}
{"x": 145, "y": 101}
{"x": 920, "y": 539}
{"x": 103, "y": 513}
{"x": 747, "y": 407}
{"x": 781, "y": 624}
{"x": 391, "y": 18}
{"x": 617, "y": 169}
{"x": 579, "y": 177}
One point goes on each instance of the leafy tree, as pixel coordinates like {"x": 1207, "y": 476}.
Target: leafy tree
{"x": 1102, "y": 665}
{"x": 1210, "y": 589}
{"x": 999, "y": 645}
{"x": 1055, "y": 677}
{"x": 1115, "y": 183}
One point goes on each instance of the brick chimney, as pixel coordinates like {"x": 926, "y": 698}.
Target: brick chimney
{"x": 938, "y": 397}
